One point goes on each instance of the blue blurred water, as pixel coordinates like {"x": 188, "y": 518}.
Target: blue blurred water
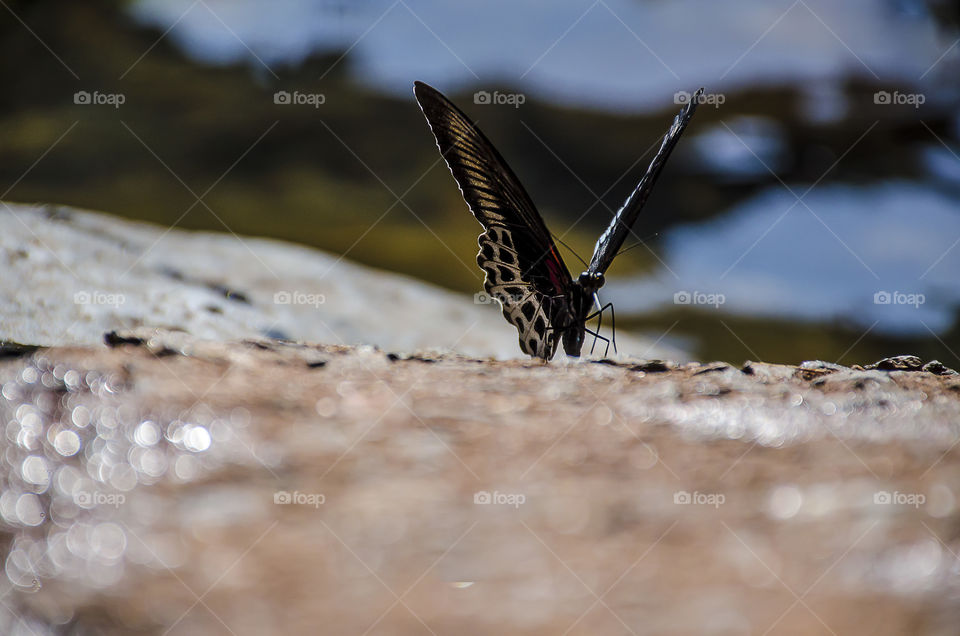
{"x": 613, "y": 54}
{"x": 775, "y": 257}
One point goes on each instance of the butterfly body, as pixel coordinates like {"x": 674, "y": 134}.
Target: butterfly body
{"x": 523, "y": 269}
{"x": 582, "y": 303}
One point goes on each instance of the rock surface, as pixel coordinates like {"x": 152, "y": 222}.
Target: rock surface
{"x": 172, "y": 485}
{"x": 71, "y": 275}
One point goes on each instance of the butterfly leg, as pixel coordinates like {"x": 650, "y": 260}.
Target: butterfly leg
{"x": 558, "y": 330}
{"x": 597, "y": 336}
{"x": 613, "y": 325}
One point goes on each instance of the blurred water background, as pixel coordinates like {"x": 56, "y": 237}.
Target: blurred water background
{"x": 811, "y": 211}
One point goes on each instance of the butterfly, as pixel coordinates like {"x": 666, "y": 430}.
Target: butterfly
{"x": 523, "y": 269}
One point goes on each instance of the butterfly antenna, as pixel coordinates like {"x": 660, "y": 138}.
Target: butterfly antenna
{"x": 570, "y": 249}
{"x": 638, "y": 244}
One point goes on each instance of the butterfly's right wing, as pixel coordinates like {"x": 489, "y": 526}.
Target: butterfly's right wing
{"x": 612, "y": 239}
{"x": 523, "y": 268}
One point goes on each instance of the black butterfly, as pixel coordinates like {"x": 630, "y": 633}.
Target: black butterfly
{"x": 523, "y": 268}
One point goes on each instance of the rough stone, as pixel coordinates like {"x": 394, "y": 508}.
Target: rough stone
{"x": 420, "y": 492}
{"x": 69, "y": 276}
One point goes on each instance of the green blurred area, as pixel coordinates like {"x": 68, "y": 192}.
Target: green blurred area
{"x": 328, "y": 177}
{"x": 331, "y": 176}
{"x": 736, "y": 339}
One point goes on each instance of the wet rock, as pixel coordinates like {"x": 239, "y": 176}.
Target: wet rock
{"x": 938, "y": 368}
{"x": 852, "y": 379}
{"x": 897, "y": 363}
{"x": 91, "y": 273}
{"x": 712, "y": 367}
{"x": 769, "y": 372}
{"x": 821, "y": 365}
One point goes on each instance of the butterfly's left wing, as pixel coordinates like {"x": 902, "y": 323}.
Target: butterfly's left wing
{"x": 523, "y": 268}
{"x": 612, "y": 239}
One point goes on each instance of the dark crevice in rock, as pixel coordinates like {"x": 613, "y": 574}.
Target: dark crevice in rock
{"x": 218, "y": 288}
{"x": 277, "y": 334}
{"x": 10, "y": 349}
{"x": 114, "y": 339}
{"x": 720, "y": 366}
{"x": 416, "y": 357}
{"x": 612, "y": 363}
{"x": 652, "y": 366}
{"x": 228, "y": 293}
{"x": 260, "y": 344}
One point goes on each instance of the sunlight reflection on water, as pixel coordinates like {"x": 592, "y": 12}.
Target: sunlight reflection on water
{"x": 74, "y": 451}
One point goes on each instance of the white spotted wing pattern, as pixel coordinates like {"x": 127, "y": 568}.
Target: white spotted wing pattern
{"x": 523, "y": 306}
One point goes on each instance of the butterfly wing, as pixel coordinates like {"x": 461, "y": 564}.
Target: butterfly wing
{"x": 612, "y": 239}
{"x": 523, "y": 268}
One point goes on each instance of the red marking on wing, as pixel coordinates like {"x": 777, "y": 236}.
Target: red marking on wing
{"x": 558, "y": 274}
